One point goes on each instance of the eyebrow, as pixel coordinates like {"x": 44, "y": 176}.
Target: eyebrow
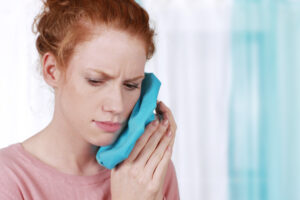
{"x": 111, "y": 77}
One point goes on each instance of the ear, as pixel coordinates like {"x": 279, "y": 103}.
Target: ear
{"x": 51, "y": 72}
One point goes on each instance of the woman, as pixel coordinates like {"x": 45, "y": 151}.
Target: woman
{"x": 93, "y": 54}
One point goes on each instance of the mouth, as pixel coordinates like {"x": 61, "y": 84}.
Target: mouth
{"x": 110, "y": 127}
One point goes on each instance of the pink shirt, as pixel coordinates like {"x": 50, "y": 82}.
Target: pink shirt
{"x": 23, "y": 176}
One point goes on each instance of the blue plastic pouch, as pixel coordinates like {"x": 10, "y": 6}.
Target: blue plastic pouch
{"x": 141, "y": 115}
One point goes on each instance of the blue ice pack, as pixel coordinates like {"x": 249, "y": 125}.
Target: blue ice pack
{"x": 141, "y": 115}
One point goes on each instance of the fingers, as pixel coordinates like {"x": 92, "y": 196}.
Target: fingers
{"x": 150, "y": 151}
{"x": 151, "y": 127}
{"x": 152, "y": 144}
{"x": 161, "y": 169}
{"x": 159, "y": 152}
{"x": 167, "y": 113}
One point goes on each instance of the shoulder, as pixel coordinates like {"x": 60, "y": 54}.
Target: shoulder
{"x": 9, "y": 188}
{"x": 7, "y": 156}
{"x": 171, "y": 190}
{"x": 8, "y": 160}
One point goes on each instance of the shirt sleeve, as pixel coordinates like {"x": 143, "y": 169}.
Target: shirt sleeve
{"x": 171, "y": 191}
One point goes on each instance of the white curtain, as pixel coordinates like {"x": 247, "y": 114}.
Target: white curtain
{"x": 25, "y": 98}
{"x": 192, "y": 62}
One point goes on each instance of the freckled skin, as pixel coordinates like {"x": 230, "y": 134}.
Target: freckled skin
{"x": 117, "y": 54}
{"x": 70, "y": 141}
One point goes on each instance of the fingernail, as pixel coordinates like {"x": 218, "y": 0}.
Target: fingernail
{"x": 169, "y": 133}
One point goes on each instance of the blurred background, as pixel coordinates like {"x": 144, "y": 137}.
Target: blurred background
{"x": 230, "y": 72}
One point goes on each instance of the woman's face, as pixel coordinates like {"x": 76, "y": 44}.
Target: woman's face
{"x": 103, "y": 83}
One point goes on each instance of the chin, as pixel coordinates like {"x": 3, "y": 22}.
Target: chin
{"x": 104, "y": 140}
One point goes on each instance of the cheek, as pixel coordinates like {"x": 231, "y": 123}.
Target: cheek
{"x": 75, "y": 103}
{"x": 130, "y": 101}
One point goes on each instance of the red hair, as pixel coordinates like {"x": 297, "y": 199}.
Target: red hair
{"x": 65, "y": 23}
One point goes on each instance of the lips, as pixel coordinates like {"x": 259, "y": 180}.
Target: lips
{"x": 108, "y": 126}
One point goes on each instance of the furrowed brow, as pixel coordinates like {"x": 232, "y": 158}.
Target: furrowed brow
{"x": 136, "y": 78}
{"x": 111, "y": 77}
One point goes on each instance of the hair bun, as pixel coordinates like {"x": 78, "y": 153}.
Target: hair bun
{"x": 63, "y": 24}
{"x": 57, "y": 4}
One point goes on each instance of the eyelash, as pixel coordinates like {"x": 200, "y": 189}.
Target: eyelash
{"x": 129, "y": 86}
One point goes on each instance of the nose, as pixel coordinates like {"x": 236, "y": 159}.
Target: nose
{"x": 113, "y": 101}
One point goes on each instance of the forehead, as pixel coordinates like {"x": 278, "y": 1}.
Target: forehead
{"x": 110, "y": 50}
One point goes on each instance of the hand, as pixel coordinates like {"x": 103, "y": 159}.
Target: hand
{"x": 167, "y": 114}
{"x": 142, "y": 174}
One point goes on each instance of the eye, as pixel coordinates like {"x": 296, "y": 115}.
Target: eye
{"x": 95, "y": 82}
{"x": 132, "y": 86}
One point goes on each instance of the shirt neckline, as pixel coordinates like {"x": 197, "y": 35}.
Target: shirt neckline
{"x": 61, "y": 176}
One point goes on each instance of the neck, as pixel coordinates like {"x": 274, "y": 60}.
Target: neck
{"x": 61, "y": 147}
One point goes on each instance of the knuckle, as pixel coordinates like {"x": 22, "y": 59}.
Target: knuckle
{"x": 163, "y": 127}
{"x": 156, "y": 138}
{"x": 150, "y": 130}
{"x": 139, "y": 144}
{"x": 153, "y": 188}
{"x": 141, "y": 180}
{"x": 143, "y": 139}
{"x": 134, "y": 172}
{"x": 150, "y": 127}
{"x": 156, "y": 155}
{"x": 159, "y": 133}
